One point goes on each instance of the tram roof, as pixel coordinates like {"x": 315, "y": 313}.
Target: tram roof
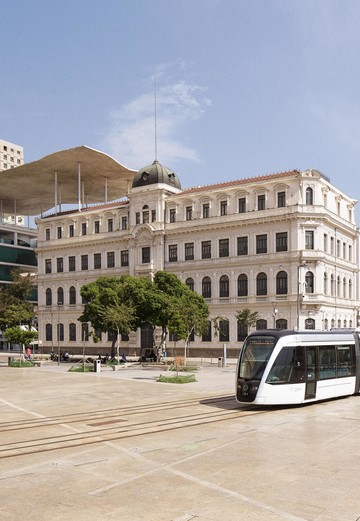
{"x": 29, "y": 189}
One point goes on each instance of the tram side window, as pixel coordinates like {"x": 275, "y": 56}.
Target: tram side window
{"x": 288, "y": 367}
{"x": 327, "y": 361}
{"x": 345, "y": 361}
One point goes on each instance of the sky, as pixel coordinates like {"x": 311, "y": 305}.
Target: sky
{"x": 237, "y": 88}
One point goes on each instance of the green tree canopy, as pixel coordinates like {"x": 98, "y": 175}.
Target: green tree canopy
{"x": 122, "y": 304}
{"x": 15, "y": 309}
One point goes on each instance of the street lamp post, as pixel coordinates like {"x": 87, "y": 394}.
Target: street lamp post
{"x": 275, "y": 312}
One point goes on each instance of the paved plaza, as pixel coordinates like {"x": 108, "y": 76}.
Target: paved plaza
{"x": 118, "y": 445}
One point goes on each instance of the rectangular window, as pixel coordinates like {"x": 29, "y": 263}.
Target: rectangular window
{"x": 83, "y": 228}
{"x": 261, "y": 243}
{"x": 188, "y": 213}
{"x": 189, "y": 251}
{"x": 59, "y": 264}
{"x": 325, "y": 243}
{"x": 206, "y": 210}
{"x": 281, "y": 199}
{"x": 47, "y": 234}
{"x": 281, "y": 241}
{"x": 327, "y": 362}
{"x": 137, "y": 218}
{"x": 71, "y": 230}
{"x": 72, "y": 263}
{"x": 223, "y": 247}
{"x": 172, "y": 215}
{"x": 206, "y": 250}
{"x": 124, "y": 223}
{"x": 309, "y": 240}
{"x": 84, "y": 262}
{"x": 242, "y": 205}
{"x": 242, "y": 246}
{"x": 223, "y": 207}
{"x": 59, "y": 232}
{"x": 173, "y": 253}
{"x": 97, "y": 227}
{"x": 261, "y": 202}
{"x": 153, "y": 216}
{"x": 47, "y": 265}
{"x": 110, "y": 259}
{"x": 97, "y": 261}
{"x": 124, "y": 258}
{"x": 110, "y": 225}
{"x": 145, "y": 254}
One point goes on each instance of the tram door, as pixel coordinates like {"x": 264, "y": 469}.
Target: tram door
{"x": 310, "y": 388}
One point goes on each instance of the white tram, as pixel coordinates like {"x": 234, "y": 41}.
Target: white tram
{"x": 279, "y": 367}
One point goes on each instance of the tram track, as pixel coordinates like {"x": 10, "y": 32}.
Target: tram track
{"x": 111, "y": 425}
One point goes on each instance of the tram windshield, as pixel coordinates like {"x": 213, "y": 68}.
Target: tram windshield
{"x": 255, "y": 355}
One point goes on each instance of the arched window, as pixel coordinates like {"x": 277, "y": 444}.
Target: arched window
{"x": 281, "y": 323}
{"x": 309, "y": 323}
{"x": 345, "y": 323}
{"x": 350, "y": 289}
{"x": 145, "y": 214}
{"x": 261, "y": 324}
{"x": 48, "y": 332}
{"x": 344, "y": 288}
{"x": 242, "y": 331}
{"x": 72, "y": 332}
{"x": 338, "y": 287}
{"x": 309, "y": 283}
{"x": 332, "y": 285}
{"x": 72, "y": 295}
{"x": 60, "y": 332}
{"x": 224, "y": 330}
{"x": 281, "y": 283}
{"x": 326, "y": 324}
{"x": 206, "y": 287}
{"x": 339, "y": 323}
{"x": 325, "y": 284}
{"x": 242, "y": 285}
{"x": 261, "y": 284}
{"x": 206, "y": 337}
{"x": 190, "y": 283}
{"x": 309, "y": 196}
{"x": 224, "y": 286}
{"x": 332, "y": 322}
{"x": 48, "y": 297}
{"x": 60, "y": 296}
{"x": 85, "y": 332}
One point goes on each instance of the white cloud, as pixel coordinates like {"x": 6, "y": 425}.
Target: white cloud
{"x": 131, "y": 136}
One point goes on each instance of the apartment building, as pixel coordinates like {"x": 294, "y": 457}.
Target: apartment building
{"x": 284, "y": 245}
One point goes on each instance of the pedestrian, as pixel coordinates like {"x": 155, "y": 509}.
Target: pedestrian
{"x": 28, "y": 353}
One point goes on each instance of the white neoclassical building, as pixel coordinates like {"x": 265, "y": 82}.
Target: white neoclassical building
{"x": 284, "y": 245}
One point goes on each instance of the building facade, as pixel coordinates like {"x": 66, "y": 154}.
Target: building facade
{"x": 284, "y": 245}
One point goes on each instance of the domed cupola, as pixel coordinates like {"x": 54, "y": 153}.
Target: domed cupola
{"x": 156, "y": 174}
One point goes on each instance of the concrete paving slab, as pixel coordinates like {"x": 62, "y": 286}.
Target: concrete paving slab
{"x": 120, "y": 445}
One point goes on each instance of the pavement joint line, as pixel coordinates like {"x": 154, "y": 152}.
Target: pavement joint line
{"x": 241, "y": 497}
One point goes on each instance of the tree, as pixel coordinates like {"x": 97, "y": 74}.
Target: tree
{"x": 247, "y": 318}
{"x": 190, "y": 315}
{"x": 18, "y": 335}
{"x": 122, "y": 304}
{"x": 15, "y": 309}
{"x": 109, "y": 306}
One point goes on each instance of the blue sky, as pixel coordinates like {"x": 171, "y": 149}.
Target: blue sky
{"x": 244, "y": 87}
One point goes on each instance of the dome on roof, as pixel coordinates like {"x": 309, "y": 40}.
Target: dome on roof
{"x": 154, "y": 174}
